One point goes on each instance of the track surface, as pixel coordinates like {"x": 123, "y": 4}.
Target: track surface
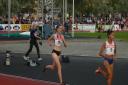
{"x": 80, "y": 71}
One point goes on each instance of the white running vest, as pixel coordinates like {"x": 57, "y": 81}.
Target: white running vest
{"x": 110, "y": 48}
{"x": 58, "y": 39}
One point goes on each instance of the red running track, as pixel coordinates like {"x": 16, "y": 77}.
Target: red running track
{"x": 16, "y": 80}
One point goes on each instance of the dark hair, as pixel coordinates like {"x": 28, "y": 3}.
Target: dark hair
{"x": 109, "y": 32}
{"x": 57, "y": 27}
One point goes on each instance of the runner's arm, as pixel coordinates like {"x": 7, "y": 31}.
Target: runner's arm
{"x": 102, "y": 48}
{"x": 50, "y": 39}
{"x": 115, "y": 52}
{"x": 64, "y": 42}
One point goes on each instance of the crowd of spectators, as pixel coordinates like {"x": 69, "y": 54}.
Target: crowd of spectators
{"x": 92, "y": 19}
{"x": 19, "y": 19}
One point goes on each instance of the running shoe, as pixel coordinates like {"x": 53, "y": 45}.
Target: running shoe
{"x": 26, "y": 58}
{"x": 98, "y": 71}
{"x": 40, "y": 59}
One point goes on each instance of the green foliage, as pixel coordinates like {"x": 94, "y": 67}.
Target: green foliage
{"x": 118, "y": 35}
{"x": 97, "y": 6}
{"x": 17, "y": 6}
{"x": 81, "y": 6}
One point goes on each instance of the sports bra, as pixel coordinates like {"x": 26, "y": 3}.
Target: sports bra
{"x": 58, "y": 39}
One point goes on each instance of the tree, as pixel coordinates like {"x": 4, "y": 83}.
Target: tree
{"x": 97, "y": 6}
{"x": 81, "y": 6}
{"x": 3, "y": 7}
{"x": 17, "y": 6}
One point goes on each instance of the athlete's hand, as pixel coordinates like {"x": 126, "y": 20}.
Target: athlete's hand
{"x": 40, "y": 42}
{"x": 65, "y": 45}
{"x": 101, "y": 55}
{"x": 49, "y": 44}
{"x": 40, "y": 38}
{"x": 98, "y": 55}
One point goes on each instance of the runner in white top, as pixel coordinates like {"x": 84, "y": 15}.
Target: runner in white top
{"x": 58, "y": 41}
{"x": 108, "y": 52}
{"x": 110, "y": 48}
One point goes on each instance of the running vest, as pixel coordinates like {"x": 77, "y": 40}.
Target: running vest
{"x": 58, "y": 39}
{"x": 110, "y": 48}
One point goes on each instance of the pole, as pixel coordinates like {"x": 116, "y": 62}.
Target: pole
{"x": 42, "y": 16}
{"x": 52, "y": 13}
{"x": 73, "y": 20}
{"x": 9, "y": 16}
{"x": 38, "y": 7}
{"x": 63, "y": 12}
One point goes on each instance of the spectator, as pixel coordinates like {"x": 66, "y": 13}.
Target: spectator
{"x": 66, "y": 25}
{"x": 47, "y": 30}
